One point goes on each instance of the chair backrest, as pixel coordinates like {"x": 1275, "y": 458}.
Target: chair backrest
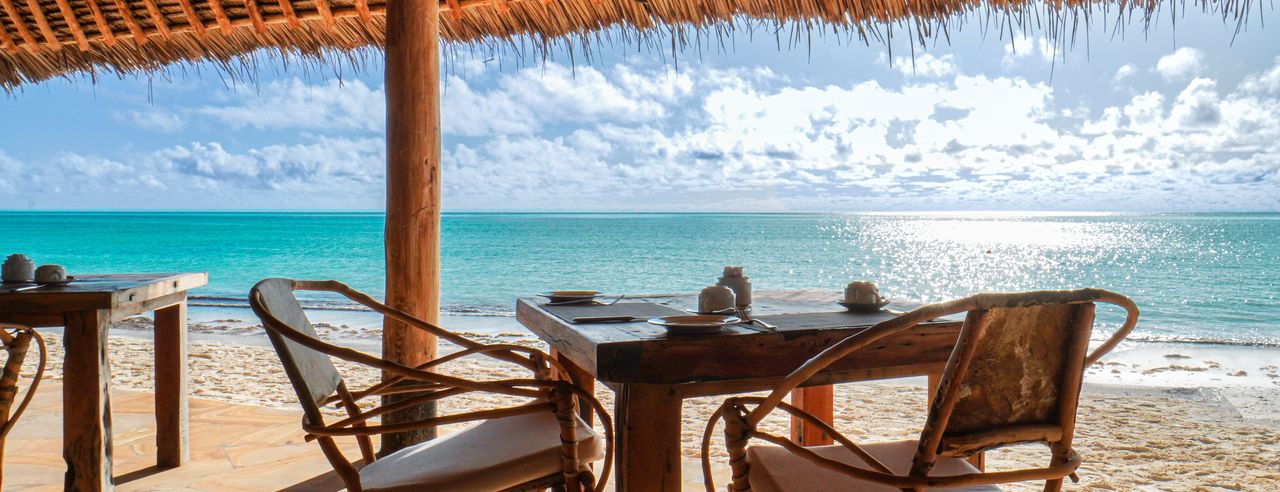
{"x": 313, "y": 375}
{"x": 1014, "y": 375}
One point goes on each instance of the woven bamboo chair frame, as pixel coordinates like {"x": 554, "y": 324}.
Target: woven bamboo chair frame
{"x": 1077, "y": 306}
{"x": 549, "y": 389}
{"x": 17, "y": 342}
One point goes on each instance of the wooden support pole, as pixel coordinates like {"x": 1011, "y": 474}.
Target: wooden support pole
{"x": 413, "y": 194}
{"x": 819, "y": 401}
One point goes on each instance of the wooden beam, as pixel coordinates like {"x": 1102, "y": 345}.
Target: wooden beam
{"x": 362, "y": 9}
{"x": 157, "y": 18}
{"x": 251, "y": 6}
{"x": 12, "y": 47}
{"x": 413, "y": 193}
{"x": 73, "y": 24}
{"x": 322, "y": 7}
{"x": 104, "y": 29}
{"x": 125, "y": 13}
{"x": 20, "y": 25}
{"x": 193, "y": 18}
{"x": 286, "y": 9}
{"x": 224, "y": 23}
{"x": 324, "y": 12}
{"x": 50, "y": 38}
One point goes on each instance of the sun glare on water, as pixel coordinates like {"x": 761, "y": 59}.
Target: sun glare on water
{"x": 937, "y": 258}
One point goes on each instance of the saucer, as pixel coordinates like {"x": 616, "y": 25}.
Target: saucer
{"x": 864, "y": 308}
{"x": 570, "y": 295}
{"x": 694, "y": 323}
{"x": 725, "y": 311}
{"x": 70, "y": 278}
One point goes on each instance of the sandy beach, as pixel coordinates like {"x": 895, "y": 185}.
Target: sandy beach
{"x": 1153, "y": 416}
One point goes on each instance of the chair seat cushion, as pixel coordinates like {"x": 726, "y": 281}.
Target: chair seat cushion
{"x": 492, "y": 455}
{"x": 773, "y": 468}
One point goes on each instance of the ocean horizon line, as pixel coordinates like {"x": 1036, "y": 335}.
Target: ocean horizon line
{"x": 987, "y": 213}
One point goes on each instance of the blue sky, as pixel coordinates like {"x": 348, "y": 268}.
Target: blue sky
{"x": 1184, "y": 119}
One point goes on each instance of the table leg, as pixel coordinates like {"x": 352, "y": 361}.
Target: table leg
{"x": 581, "y": 378}
{"x": 648, "y": 437}
{"x": 86, "y": 401}
{"x": 172, "y": 439}
{"x": 979, "y": 459}
{"x": 818, "y": 401}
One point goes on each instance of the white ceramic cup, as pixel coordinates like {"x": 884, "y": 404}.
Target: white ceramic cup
{"x": 715, "y": 299}
{"x": 51, "y": 274}
{"x": 861, "y": 292}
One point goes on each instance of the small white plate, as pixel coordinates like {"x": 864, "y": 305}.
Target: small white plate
{"x": 722, "y": 311}
{"x": 70, "y": 278}
{"x": 864, "y": 308}
{"x": 695, "y": 323}
{"x": 570, "y": 295}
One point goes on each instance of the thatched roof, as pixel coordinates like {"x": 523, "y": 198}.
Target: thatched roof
{"x": 40, "y": 39}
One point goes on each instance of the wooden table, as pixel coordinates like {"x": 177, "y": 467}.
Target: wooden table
{"x": 652, "y": 372}
{"x": 87, "y": 307}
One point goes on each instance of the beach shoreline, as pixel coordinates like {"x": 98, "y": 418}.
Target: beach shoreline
{"x": 1158, "y": 416}
{"x": 1246, "y": 376}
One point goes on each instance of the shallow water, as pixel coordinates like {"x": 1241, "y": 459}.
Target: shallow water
{"x": 1210, "y": 277}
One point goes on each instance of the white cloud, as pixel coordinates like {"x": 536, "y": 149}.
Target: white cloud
{"x": 1124, "y": 72}
{"x": 1000, "y": 141}
{"x": 9, "y": 168}
{"x": 926, "y": 65}
{"x": 1267, "y": 82}
{"x": 153, "y": 119}
{"x": 329, "y": 163}
{"x": 1021, "y": 48}
{"x": 638, "y": 138}
{"x": 1197, "y": 106}
{"x": 1181, "y": 64}
{"x": 293, "y": 104}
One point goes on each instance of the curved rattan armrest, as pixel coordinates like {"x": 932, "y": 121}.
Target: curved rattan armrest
{"x": 399, "y": 315}
{"x": 388, "y": 385}
{"x": 1130, "y": 320}
{"x": 908, "y": 320}
{"x": 847, "y": 346}
{"x": 10, "y": 376}
{"x": 736, "y": 404}
{"x": 346, "y": 427}
{"x": 394, "y": 369}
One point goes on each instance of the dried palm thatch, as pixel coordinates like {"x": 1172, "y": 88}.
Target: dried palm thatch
{"x": 40, "y": 39}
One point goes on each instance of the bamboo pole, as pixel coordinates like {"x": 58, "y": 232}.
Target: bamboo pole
{"x": 413, "y": 196}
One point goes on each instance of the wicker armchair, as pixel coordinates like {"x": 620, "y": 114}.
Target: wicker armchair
{"x": 17, "y": 342}
{"x": 1014, "y": 377}
{"x": 540, "y": 444}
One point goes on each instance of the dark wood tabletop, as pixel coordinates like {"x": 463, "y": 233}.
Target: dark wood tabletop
{"x": 124, "y": 294}
{"x": 640, "y": 352}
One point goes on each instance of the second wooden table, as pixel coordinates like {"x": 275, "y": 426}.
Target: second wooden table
{"x": 87, "y": 307}
{"x": 653, "y": 372}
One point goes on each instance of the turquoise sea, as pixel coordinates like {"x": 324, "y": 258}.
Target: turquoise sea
{"x": 1200, "y": 277}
